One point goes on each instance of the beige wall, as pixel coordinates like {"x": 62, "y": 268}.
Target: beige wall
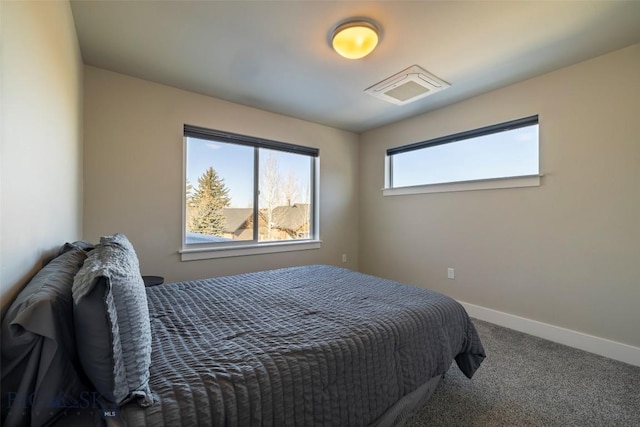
{"x": 566, "y": 253}
{"x": 133, "y": 173}
{"x": 41, "y": 148}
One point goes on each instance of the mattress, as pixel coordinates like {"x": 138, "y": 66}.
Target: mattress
{"x": 312, "y": 345}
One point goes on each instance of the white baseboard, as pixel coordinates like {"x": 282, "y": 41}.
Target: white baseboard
{"x": 603, "y": 347}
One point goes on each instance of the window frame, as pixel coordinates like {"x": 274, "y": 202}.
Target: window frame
{"x": 462, "y": 185}
{"x": 196, "y": 251}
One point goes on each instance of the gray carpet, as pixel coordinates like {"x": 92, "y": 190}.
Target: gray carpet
{"x": 528, "y": 381}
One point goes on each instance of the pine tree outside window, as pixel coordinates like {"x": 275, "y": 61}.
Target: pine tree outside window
{"x": 246, "y": 195}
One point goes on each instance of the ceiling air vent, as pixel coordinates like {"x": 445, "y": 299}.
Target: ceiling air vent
{"x": 407, "y": 86}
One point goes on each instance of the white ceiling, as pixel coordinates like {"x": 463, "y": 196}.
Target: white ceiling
{"x": 275, "y": 55}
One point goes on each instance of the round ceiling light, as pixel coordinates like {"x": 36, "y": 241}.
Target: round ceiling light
{"x": 355, "y": 39}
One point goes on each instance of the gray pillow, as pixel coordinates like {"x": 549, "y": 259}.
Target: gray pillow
{"x": 79, "y": 244}
{"x": 41, "y": 376}
{"x": 111, "y": 319}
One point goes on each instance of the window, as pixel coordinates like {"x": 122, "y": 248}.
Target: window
{"x": 246, "y": 195}
{"x": 482, "y": 158}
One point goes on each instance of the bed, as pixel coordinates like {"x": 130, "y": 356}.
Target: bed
{"x": 309, "y": 345}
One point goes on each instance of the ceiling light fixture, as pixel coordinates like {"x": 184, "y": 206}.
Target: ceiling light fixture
{"x": 355, "y": 39}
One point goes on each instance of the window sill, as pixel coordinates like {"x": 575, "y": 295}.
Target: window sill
{"x": 480, "y": 184}
{"x": 193, "y": 254}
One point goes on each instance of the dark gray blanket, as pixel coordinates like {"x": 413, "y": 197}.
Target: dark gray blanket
{"x": 299, "y": 346}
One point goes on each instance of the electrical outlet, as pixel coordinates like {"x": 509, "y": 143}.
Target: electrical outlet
{"x": 451, "y": 273}
{"x": 344, "y": 257}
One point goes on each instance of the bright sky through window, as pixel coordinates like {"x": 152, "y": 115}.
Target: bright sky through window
{"x": 508, "y": 153}
{"x": 235, "y": 163}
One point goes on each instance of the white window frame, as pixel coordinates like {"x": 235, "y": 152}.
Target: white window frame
{"x": 199, "y": 251}
{"x": 479, "y": 184}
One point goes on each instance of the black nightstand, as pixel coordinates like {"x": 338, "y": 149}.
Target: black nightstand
{"x": 152, "y": 280}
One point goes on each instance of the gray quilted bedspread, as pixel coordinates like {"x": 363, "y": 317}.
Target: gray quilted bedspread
{"x": 313, "y": 345}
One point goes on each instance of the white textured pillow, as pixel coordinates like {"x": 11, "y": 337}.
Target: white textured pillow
{"x": 112, "y": 316}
